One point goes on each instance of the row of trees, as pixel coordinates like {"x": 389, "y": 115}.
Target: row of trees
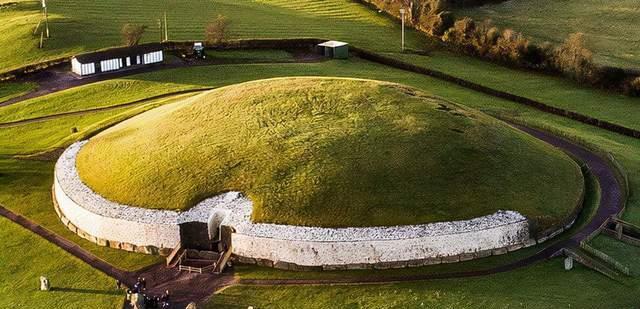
{"x": 215, "y": 31}
{"x": 571, "y": 58}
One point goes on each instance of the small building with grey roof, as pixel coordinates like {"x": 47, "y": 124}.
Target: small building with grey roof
{"x": 116, "y": 59}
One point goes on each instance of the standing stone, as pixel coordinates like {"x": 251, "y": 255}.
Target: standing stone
{"x": 568, "y": 263}
{"x": 137, "y": 301}
{"x": 619, "y": 231}
{"x": 44, "y": 284}
{"x": 192, "y": 305}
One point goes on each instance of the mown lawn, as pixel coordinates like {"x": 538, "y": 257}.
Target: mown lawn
{"x": 25, "y": 257}
{"x": 552, "y": 90}
{"x": 25, "y": 188}
{"x": 81, "y": 25}
{"x": 77, "y": 24}
{"x": 609, "y": 25}
{"x": 10, "y": 90}
{"x": 543, "y": 285}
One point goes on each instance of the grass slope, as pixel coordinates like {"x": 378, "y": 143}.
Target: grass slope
{"x": 25, "y": 188}
{"x": 25, "y": 257}
{"x": 80, "y": 25}
{"x": 307, "y": 151}
{"x": 609, "y": 25}
{"x": 10, "y": 90}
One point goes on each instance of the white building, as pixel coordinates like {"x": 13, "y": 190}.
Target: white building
{"x": 116, "y": 59}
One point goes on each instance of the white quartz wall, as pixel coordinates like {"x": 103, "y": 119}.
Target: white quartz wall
{"x": 115, "y": 229}
{"x": 322, "y": 253}
{"x": 304, "y": 246}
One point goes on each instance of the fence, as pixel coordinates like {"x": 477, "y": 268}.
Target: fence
{"x": 603, "y": 256}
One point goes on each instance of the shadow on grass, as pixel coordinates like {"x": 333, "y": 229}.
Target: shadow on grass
{"x": 86, "y": 291}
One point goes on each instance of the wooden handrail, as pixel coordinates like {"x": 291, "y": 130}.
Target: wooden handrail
{"x": 173, "y": 253}
{"x": 222, "y": 261}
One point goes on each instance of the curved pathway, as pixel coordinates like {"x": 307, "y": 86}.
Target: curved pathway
{"x": 187, "y": 287}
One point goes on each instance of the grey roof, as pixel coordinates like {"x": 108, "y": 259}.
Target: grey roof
{"x": 119, "y": 52}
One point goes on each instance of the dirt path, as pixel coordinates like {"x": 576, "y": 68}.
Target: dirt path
{"x": 187, "y": 287}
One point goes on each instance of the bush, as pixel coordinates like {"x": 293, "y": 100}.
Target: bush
{"x": 132, "y": 33}
{"x": 573, "y": 59}
{"x": 216, "y": 31}
{"x": 633, "y": 86}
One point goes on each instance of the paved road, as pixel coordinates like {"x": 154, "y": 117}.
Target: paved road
{"x": 190, "y": 287}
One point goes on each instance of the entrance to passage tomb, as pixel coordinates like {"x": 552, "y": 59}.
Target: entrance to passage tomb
{"x": 211, "y": 236}
{"x": 195, "y": 235}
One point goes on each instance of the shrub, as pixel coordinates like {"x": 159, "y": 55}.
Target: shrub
{"x": 132, "y": 33}
{"x": 632, "y": 87}
{"x": 216, "y": 31}
{"x": 573, "y": 59}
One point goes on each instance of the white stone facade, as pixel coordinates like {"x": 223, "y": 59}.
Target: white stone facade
{"x": 304, "y": 246}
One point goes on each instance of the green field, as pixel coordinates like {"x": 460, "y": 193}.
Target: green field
{"x": 29, "y": 186}
{"x": 25, "y": 257}
{"x": 610, "y": 26}
{"x": 544, "y": 285}
{"x": 10, "y": 90}
{"x": 81, "y": 25}
{"x": 306, "y": 152}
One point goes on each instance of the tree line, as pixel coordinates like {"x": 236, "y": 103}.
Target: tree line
{"x": 483, "y": 39}
{"x": 215, "y": 31}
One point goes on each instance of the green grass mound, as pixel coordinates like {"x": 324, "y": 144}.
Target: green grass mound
{"x": 331, "y": 152}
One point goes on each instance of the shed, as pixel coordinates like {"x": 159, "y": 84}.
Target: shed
{"x": 334, "y": 49}
{"x": 117, "y": 58}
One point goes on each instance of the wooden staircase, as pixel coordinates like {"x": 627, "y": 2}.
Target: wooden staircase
{"x": 190, "y": 260}
{"x": 222, "y": 261}
{"x": 174, "y": 257}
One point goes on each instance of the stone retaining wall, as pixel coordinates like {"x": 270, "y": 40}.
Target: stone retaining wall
{"x": 283, "y": 246}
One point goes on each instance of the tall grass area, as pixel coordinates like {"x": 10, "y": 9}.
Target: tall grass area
{"x": 610, "y": 26}
{"x": 25, "y": 257}
{"x": 81, "y": 25}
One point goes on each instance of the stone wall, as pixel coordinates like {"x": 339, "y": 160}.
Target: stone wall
{"x": 396, "y": 252}
{"x": 283, "y": 246}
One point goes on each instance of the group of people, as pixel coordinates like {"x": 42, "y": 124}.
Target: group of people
{"x": 139, "y": 289}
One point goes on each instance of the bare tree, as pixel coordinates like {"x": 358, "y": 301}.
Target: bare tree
{"x": 132, "y": 33}
{"x": 216, "y": 31}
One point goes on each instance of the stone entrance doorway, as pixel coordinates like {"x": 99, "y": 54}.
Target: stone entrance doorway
{"x": 195, "y": 235}
{"x": 209, "y": 236}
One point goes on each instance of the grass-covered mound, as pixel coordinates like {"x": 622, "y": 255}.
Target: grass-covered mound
{"x": 331, "y": 152}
